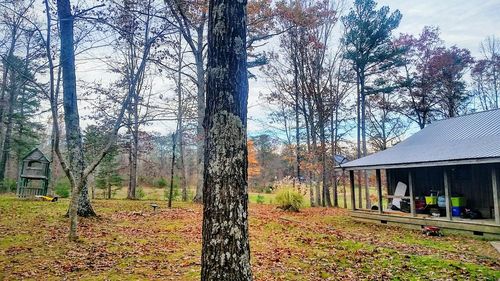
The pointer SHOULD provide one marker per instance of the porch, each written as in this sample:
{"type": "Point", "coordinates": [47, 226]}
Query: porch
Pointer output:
{"type": "Point", "coordinates": [484, 227]}
{"type": "Point", "coordinates": [477, 183]}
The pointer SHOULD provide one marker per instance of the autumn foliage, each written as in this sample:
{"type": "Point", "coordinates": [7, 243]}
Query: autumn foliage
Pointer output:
{"type": "Point", "coordinates": [253, 163]}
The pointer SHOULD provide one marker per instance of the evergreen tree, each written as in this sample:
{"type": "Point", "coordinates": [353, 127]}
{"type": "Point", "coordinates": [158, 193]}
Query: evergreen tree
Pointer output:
{"type": "Point", "coordinates": [369, 48]}
{"type": "Point", "coordinates": [22, 130]}
{"type": "Point", "coordinates": [107, 177]}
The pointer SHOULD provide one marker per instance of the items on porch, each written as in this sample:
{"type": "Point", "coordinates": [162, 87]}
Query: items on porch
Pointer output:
{"type": "Point", "coordinates": [420, 205]}
{"type": "Point", "coordinates": [456, 211]}
{"type": "Point", "coordinates": [399, 194]}
{"type": "Point", "coordinates": [471, 214]}
{"type": "Point", "coordinates": [432, 199]}
{"type": "Point", "coordinates": [433, 204]}
{"type": "Point", "coordinates": [441, 201]}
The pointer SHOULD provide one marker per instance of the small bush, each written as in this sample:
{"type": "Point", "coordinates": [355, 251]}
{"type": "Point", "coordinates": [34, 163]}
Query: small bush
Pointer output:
{"type": "Point", "coordinates": [289, 199]}
{"type": "Point", "coordinates": [139, 193]}
{"type": "Point", "coordinates": [161, 183]}
{"type": "Point", "coordinates": [260, 199]}
{"type": "Point", "coordinates": [63, 188]}
{"type": "Point", "coordinates": [8, 185]}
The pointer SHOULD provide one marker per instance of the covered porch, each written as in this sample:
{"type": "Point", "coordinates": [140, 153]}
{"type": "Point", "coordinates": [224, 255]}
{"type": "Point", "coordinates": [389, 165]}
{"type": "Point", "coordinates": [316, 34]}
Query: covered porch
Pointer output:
{"type": "Point", "coordinates": [476, 182]}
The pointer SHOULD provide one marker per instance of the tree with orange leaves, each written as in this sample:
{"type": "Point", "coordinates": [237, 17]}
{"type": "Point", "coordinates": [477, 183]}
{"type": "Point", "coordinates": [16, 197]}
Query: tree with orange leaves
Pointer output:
{"type": "Point", "coordinates": [253, 163]}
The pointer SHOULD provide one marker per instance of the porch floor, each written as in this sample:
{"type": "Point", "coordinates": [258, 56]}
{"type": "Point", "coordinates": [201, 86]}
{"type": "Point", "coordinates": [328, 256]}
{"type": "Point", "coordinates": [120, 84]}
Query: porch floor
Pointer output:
{"type": "Point", "coordinates": [477, 227]}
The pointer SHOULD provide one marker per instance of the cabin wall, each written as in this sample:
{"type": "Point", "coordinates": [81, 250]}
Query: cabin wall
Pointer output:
{"type": "Point", "coordinates": [471, 181]}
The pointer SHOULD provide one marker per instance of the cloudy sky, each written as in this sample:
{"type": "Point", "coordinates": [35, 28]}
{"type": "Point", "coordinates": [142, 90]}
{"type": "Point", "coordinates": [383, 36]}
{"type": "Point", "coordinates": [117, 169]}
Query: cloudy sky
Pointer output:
{"type": "Point", "coordinates": [464, 23]}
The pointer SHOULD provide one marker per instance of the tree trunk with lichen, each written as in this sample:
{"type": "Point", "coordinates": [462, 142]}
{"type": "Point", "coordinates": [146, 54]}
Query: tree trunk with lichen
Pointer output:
{"type": "Point", "coordinates": [226, 250]}
{"type": "Point", "coordinates": [79, 204]}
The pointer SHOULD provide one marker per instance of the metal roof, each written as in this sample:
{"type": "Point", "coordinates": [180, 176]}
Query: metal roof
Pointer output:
{"type": "Point", "coordinates": [473, 138]}
{"type": "Point", "coordinates": [340, 159]}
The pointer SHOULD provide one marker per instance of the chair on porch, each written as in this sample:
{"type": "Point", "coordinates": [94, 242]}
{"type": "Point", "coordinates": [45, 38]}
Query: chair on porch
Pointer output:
{"type": "Point", "coordinates": [399, 194]}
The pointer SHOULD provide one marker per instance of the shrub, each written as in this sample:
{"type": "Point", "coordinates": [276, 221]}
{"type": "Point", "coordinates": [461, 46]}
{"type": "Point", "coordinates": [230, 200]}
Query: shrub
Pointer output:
{"type": "Point", "coordinates": [260, 199]}
{"type": "Point", "coordinates": [161, 183]}
{"type": "Point", "coordinates": [62, 188]}
{"type": "Point", "coordinates": [289, 199]}
{"type": "Point", "coordinates": [139, 193]}
{"type": "Point", "coordinates": [8, 185]}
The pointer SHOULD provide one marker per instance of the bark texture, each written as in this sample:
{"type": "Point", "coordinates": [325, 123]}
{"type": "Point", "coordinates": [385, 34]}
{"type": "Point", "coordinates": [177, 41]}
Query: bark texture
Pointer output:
{"type": "Point", "coordinates": [226, 250]}
{"type": "Point", "coordinates": [79, 205]}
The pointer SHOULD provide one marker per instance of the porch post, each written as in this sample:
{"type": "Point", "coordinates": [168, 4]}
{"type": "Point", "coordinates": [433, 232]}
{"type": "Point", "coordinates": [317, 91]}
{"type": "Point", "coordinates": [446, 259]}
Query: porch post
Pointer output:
{"type": "Point", "coordinates": [412, 197]}
{"type": "Point", "coordinates": [496, 194]}
{"type": "Point", "coordinates": [447, 194]}
{"type": "Point", "coordinates": [353, 196]}
{"type": "Point", "coordinates": [379, 190]}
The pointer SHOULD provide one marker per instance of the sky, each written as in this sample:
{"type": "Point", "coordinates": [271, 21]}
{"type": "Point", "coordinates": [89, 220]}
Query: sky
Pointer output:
{"type": "Point", "coordinates": [464, 23]}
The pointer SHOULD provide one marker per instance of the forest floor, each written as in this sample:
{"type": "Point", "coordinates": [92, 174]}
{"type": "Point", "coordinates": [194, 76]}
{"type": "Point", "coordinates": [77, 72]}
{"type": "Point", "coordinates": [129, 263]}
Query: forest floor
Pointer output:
{"type": "Point", "coordinates": [131, 242]}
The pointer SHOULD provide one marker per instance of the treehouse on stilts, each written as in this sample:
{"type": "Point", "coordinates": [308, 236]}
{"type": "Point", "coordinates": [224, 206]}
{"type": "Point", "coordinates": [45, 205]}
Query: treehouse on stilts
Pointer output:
{"type": "Point", "coordinates": [34, 175]}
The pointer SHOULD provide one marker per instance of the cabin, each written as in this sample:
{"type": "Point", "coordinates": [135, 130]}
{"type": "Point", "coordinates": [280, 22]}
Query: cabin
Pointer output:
{"type": "Point", "coordinates": [33, 175]}
{"type": "Point", "coordinates": [446, 175]}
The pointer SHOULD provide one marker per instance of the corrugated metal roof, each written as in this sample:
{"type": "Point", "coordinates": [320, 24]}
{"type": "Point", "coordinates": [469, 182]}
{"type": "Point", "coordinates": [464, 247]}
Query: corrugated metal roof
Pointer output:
{"type": "Point", "coordinates": [469, 137]}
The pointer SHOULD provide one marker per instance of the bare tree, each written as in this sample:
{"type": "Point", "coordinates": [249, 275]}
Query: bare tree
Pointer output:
{"type": "Point", "coordinates": [75, 169]}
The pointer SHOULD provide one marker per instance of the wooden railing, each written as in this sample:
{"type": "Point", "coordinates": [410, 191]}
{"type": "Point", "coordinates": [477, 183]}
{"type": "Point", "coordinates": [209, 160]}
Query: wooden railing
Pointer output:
{"type": "Point", "coordinates": [27, 192]}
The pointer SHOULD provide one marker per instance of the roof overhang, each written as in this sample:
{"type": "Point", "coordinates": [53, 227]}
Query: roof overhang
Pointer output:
{"type": "Point", "coordinates": [426, 164]}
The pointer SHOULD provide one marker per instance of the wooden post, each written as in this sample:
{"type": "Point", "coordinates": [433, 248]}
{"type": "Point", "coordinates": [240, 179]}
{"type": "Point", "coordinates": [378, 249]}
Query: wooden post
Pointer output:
{"type": "Point", "coordinates": [379, 190]}
{"type": "Point", "coordinates": [412, 197]}
{"type": "Point", "coordinates": [353, 197]}
{"type": "Point", "coordinates": [447, 194]}
{"type": "Point", "coordinates": [496, 194]}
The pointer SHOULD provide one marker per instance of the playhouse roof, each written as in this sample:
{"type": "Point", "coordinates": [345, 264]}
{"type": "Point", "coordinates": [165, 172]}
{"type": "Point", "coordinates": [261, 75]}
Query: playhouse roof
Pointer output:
{"type": "Point", "coordinates": [36, 155]}
{"type": "Point", "coordinates": [468, 139]}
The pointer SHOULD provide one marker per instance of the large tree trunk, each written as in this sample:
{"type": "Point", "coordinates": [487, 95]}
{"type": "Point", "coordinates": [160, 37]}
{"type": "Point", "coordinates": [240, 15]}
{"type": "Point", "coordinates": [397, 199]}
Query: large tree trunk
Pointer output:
{"type": "Point", "coordinates": [84, 206]}
{"type": "Point", "coordinates": [12, 92]}
{"type": "Point", "coordinates": [180, 122]}
{"type": "Point", "coordinates": [79, 205]}
{"type": "Point", "coordinates": [200, 133]}
{"type": "Point", "coordinates": [363, 137]}
{"type": "Point", "coordinates": [54, 94]}
{"type": "Point", "coordinates": [315, 154]}
{"type": "Point", "coordinates": [296, 107]}
{"type": "Point", "coordinates": [3, 103]}
{"type": "Point", "coordinates": [134, 151]}
{"type": "Point", "coordinates": [327, 201]}
{"type": "Point", "coordinates": [334, 133]}
{"type": "Point", "coordinates": [309, 151]}
{"type": "Point", "coordinates": [358, 136]}
{"type": "Point", "coordinates": [226, 250]}
{"type": "Point", "coordinates": [182, 165]}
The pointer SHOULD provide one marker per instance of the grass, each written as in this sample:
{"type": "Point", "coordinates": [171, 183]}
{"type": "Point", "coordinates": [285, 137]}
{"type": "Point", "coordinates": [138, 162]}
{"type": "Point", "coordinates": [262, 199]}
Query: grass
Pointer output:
{"type": "Point", "coordinates": [130, 241]}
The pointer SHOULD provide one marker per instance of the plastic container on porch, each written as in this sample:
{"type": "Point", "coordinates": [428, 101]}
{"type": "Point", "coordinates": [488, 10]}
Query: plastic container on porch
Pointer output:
{"type": "Point", "coordinates": [441, 202]}
{"type": "Point", "coordinates": [458, 201]}
{"type": "Point", "coordinates": [456, 211]}
{"type": "Point", "coordinates": [431, 200]}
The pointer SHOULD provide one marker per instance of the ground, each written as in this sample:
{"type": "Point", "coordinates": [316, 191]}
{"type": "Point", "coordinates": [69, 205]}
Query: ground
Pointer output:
{"type": "Point", "coordinates": [130, 241]}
